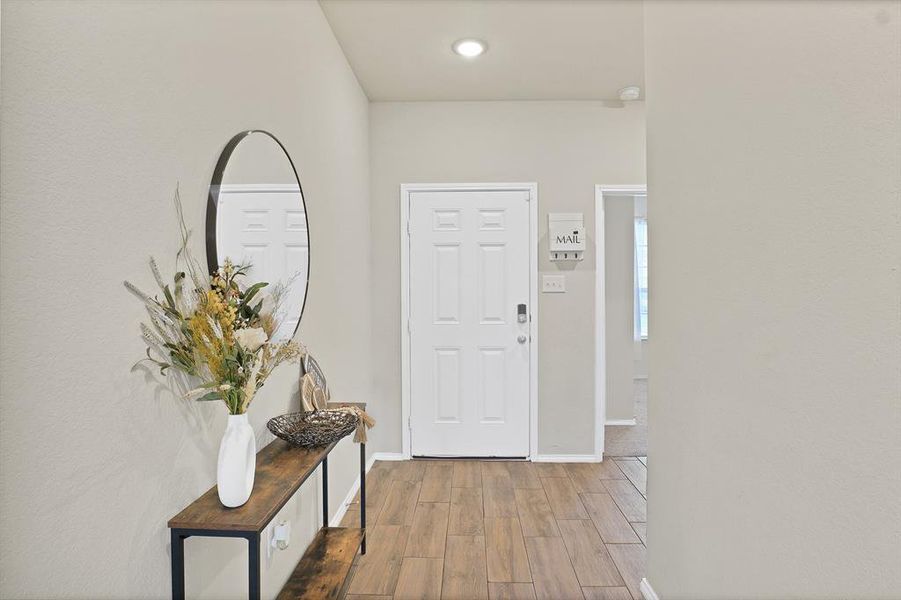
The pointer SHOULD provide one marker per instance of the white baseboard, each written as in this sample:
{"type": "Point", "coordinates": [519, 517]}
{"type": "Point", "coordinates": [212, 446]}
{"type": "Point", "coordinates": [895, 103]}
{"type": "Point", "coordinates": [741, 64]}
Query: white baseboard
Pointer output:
{"type": "Point", "coordinates": [647, 592]}
{"type": "Point", "coordinates": [620, 422]}
{"type": "Point", "coordinates": [349, 499]}
{"type": "Point", "coordinates": [565, 458]}
{"type": "Point", "coordinates": [389, 456]}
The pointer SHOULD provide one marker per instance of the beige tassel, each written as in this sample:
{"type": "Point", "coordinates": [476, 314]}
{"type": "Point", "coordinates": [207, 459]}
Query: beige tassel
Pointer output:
{"type": "Point", "coordinates": [364, 421]}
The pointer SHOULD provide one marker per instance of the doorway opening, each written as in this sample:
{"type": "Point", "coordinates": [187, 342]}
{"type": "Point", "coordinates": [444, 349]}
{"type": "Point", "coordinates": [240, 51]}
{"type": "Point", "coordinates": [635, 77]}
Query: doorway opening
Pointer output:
{"type": "Point", "coordinates": [621, 318]}
{"type": "Point", "coordinates": [469, 320]}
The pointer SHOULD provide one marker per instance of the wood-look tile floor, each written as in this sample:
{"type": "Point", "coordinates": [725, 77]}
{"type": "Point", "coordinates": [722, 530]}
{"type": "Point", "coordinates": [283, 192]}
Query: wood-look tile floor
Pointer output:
{"type": "Point", "coordinates": [468, 530]}
{"type": "Point", "coordinates": [630, 440]}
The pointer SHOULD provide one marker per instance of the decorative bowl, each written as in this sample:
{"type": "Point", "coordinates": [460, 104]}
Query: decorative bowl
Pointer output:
{"type": "Point", "coordinates": [313, 428]}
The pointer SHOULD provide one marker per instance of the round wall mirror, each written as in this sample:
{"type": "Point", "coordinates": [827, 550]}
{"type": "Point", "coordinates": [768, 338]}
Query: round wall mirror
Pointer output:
{"type": "Point", "coordinates": [256, 216]}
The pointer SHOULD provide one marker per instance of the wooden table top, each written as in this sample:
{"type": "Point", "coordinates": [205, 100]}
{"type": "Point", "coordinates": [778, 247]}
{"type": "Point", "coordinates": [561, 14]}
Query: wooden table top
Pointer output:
{"type": "Point", "coordinates": [281, 469]}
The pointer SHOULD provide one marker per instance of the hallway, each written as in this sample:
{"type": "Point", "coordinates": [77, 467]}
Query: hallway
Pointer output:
{"type": "Point", "coordinates": [496, 529]}
{"type": "Point", "coordinates": [630, 440]}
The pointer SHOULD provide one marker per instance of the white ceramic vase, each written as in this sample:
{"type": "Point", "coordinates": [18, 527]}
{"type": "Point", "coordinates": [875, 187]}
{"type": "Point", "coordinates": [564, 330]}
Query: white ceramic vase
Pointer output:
{"type": "Point", "coordinates": [237, 462]}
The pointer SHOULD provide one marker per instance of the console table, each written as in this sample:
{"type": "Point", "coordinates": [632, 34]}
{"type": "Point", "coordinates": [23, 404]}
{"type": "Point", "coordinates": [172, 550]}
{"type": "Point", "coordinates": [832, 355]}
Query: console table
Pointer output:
{"type": "Point", "coordinates": [281, 469]}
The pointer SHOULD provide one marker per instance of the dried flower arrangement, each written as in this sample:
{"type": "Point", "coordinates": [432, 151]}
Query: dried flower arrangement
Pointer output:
{"type": "Point", "coordinates": [220, 331]}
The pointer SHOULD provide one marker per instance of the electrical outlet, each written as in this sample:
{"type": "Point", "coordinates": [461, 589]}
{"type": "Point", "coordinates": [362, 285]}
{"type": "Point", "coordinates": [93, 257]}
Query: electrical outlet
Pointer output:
{"type": "Point", "coordinates": [279, 535]}
{"type": "Point", "coordinates": [267, 541]}
{"type": "Point", "coordinates": [553, 284]}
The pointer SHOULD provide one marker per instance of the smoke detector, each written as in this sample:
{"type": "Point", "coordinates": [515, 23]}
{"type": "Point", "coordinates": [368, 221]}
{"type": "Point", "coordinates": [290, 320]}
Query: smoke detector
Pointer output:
{"type": "Point", "coordinates": [632, 92]}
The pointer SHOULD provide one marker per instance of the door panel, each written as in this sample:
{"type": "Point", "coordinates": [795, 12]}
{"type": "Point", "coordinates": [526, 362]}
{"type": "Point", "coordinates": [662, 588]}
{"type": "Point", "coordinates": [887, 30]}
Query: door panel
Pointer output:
{"type": "Point", "coordinates": [492, 283]}
{"type": "Point", "coordinates": [492, 392]}
{"type": "Point", "coordinates": [446, 281]}
{"type": "Point", "coordinates": [447, 385]}
{"type": "Point", "coordinates": [469, 269]}
{"type": "Point", "coordinates": [271, 235]}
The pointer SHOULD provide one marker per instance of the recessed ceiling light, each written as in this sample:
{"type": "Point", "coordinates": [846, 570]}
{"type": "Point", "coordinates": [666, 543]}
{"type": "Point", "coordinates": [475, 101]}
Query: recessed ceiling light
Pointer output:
{"type": "Point", "coordinates": [469, 48]}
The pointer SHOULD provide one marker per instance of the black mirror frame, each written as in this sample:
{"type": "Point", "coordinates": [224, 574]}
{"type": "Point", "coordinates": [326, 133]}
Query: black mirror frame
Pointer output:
{"type": "Point", "coordinates": [212, 256]}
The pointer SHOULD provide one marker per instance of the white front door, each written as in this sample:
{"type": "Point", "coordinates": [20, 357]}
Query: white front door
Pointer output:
{"type": "Point", "coordinates": [469, 350]}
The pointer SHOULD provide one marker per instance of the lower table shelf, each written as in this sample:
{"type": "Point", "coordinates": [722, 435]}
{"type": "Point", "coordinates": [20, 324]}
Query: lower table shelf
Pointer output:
{"type": "Point", "coordinates": [323, 570]}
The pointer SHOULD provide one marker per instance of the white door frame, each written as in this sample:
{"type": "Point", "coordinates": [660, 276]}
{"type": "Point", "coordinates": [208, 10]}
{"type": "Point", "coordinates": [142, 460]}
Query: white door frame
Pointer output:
{"type": "Point", "coordinates": [406, 190]}
{"type": "Point", "coordinates": [600, 309]}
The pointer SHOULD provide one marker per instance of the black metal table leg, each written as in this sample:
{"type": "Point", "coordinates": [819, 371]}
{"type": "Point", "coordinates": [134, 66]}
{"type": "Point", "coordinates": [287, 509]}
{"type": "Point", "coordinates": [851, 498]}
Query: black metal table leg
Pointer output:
{"type": "Point", "coordinates": [178, 564]}
{"type": "Point", "coordinates": [363, 495]}
{"type": "Point", "coordinates": [253, 549]}
{"type": "Point", "coordinates": [325, 492]}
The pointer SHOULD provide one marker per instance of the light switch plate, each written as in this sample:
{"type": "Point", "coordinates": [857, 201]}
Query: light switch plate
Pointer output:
{"type": "Point", "coordinates": [553, 284]}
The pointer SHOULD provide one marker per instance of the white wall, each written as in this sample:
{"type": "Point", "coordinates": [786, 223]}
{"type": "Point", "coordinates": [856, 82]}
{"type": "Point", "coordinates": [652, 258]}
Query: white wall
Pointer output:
{"type": "Point", "coordinates": [640, 364]}
{"type": "Point", "coordinates": [619, 270]}
{"type": "Point", "coordinates": [775, 392]}
{"type": "Point", "coordinates": [567, 147]}
{"type": "Point", "coordinates": [105, 107]}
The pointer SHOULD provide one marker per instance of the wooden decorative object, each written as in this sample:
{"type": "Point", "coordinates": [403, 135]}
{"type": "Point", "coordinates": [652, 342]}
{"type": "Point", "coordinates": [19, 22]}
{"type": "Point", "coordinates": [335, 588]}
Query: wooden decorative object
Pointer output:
{"type": "Point", "coordinates": [314, 392]}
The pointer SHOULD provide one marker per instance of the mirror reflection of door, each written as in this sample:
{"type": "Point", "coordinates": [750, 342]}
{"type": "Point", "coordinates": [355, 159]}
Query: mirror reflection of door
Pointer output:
{"type": "Point", "coordinates": [264, 225]}
{"type": "Point", "coordinates": [260, 220]}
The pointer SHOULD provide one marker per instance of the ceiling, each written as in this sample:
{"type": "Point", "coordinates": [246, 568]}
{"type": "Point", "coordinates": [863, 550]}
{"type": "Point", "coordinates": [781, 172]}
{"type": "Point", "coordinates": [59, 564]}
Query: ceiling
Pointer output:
{"type": "Point", "coordinates": [537, 49]}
